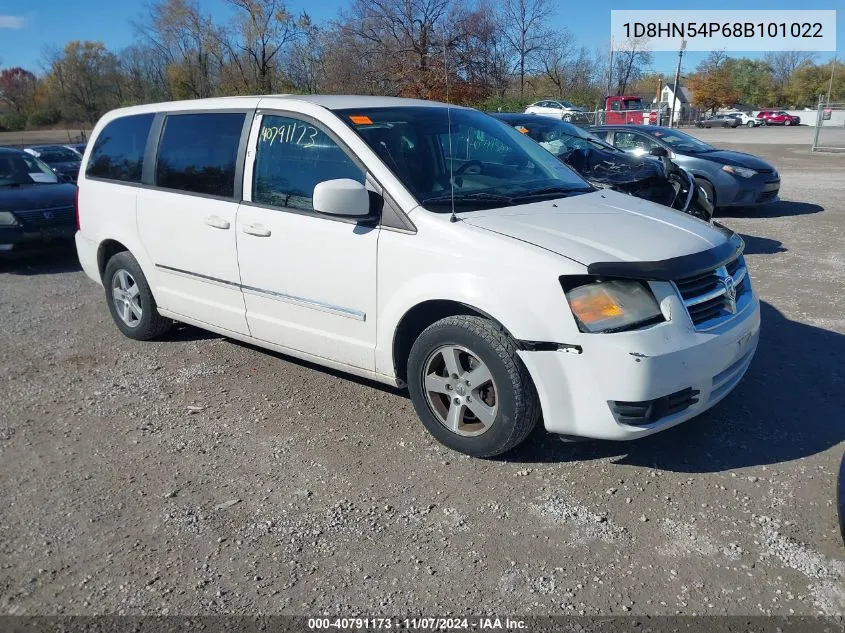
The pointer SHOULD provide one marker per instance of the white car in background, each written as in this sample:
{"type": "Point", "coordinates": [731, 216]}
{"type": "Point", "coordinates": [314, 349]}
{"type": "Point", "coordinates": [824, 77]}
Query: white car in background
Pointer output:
{"type": "Point", "coordinates": [744, 118]}
{"type": "Point", "coordinates": [558, 109]}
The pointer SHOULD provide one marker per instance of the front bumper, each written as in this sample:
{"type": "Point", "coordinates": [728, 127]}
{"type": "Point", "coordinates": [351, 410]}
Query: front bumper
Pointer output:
{"type": "Point", "coordinates": [734, 191]}
{"type": "Point", "coordinates": [15, 237]}
{"type": "Point", "coordinates": [577, 391]}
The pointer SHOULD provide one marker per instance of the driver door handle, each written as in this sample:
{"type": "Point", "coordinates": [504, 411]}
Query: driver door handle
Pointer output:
{"type": "Point", "coordinates": [256, 230]}
{"type": "Point", "coordinates": [217, 222]}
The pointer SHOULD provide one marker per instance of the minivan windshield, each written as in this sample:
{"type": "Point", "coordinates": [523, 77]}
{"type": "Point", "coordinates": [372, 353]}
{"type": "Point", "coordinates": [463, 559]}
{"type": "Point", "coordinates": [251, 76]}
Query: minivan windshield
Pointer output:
{"type": "Point", "coordinates": [489, 163]}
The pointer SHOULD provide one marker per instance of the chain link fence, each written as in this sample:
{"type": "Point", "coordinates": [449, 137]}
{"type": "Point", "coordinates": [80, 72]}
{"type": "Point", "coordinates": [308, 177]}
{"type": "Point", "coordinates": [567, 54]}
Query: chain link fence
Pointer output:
{"type": "Point", "coordinates": [830, 128]}
{"type": "Point", "coordinates": [645, 116]}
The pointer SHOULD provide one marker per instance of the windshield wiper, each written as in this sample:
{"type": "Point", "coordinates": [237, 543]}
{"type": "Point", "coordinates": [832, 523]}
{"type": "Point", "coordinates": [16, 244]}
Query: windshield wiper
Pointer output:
{"type": "Point", "coordinates": [465, 199]}
{"type": "Point", "coordinates": [549, 192]}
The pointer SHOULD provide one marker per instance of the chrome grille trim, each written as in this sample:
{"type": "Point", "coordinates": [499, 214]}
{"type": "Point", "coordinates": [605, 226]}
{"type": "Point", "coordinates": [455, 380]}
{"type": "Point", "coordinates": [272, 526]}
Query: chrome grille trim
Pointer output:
{"type": "Point", "coordinates": [705, 295]}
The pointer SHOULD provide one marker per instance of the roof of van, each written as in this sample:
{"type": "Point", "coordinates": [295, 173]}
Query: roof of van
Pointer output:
{"type": "Point", "coordinates": [330, 102]}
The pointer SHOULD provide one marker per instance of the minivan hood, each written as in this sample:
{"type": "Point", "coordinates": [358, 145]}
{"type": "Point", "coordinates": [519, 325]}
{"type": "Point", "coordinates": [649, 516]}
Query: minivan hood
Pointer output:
{"type": "Point", "coordinates": [40, 196]}
{"type": "Point", "coordinates": [602, 226]}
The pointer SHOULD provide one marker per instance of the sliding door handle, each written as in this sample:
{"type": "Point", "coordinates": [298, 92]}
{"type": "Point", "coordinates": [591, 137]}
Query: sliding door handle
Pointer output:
{"type": "Point", "coordinates": [255, 229]}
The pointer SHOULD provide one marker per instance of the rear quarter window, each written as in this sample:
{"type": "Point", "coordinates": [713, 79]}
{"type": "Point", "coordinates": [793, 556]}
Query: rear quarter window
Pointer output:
{"type": "Point", "coordinates": [118, 151]}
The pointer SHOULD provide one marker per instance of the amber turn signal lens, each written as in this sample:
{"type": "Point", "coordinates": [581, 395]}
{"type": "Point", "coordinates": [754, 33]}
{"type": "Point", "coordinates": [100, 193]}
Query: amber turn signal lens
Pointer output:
{"type": "Point", "coordinates": [596, 306]}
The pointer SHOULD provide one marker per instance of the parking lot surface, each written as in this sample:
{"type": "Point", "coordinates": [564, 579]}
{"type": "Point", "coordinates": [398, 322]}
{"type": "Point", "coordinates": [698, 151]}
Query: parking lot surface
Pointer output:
{"type": "Point", "coordinates": [199, 475]}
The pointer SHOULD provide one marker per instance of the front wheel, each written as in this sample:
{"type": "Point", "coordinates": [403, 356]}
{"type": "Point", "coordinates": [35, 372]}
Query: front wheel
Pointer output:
{"type": "Point", "coordinates": [750, 124]}
{"type": "Point", "coordinates": [708, 189]}
{"type": "Point", "coordinates": [787, 123]}
{"type": "Point", "coordinates": [470, 388]}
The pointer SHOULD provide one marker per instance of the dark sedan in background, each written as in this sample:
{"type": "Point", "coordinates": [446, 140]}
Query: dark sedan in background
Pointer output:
{"type": "Point", "coordinates": [731, 179]}
{"type": "Point", "coordinates": [62, 160]}
{"type": "Point", "coordinates": [34, 206]}
{"type": "Point", "coordinates": [718, 120]}
{"type": "Point", "coordinates": [653, 178]}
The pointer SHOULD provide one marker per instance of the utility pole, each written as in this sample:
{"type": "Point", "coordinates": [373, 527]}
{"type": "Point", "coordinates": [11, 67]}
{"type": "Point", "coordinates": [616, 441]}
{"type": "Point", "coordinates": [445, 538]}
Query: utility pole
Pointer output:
{"type": "Point", "coordinates": [675, 86]}
{"type": "Point", "coordinates": [830, 85]}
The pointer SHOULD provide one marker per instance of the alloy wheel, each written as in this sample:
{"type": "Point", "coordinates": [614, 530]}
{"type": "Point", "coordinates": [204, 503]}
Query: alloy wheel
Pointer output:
{"type": "Point", "coordinates": [127, 297]}
{"type": "Point", "coordinates": [460, 390]}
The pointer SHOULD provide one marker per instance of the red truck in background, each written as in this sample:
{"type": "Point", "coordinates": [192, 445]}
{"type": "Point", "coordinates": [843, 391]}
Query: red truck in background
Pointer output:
{"type": "Point", "coordinates": [627, 110]}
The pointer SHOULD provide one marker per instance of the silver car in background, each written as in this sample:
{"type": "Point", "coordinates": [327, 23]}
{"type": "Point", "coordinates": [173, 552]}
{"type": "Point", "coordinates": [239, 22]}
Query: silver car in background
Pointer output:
{"type": "Point", "coordinates": [729, 178]}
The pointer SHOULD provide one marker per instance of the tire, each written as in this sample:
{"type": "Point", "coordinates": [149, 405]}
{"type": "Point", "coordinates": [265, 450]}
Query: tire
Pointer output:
{"type": "Point", "coordinates": [567, 117]}
{"type": "Point", "coordinates": [708, 189]}
{"type": "Point", "coordinates": [506, 399]}
{"type": "Point", "coordinates": [750, 124]}
{"type": "Point", "coordinates": [787, 123]}
{"type": "Point", "coordinates": [126, 286]}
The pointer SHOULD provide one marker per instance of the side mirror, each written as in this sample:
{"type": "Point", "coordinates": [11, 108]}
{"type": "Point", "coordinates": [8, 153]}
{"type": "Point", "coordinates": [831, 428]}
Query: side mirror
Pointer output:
{"type": "Point", "coordinates": [342, 197]}
{"type": "Point", "coordinates": [659, 151]}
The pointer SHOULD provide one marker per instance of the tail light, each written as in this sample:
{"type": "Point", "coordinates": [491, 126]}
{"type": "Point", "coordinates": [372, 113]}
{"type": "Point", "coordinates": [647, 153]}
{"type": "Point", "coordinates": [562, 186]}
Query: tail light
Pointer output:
{"type": "Point", "coordinates": [78, 226]}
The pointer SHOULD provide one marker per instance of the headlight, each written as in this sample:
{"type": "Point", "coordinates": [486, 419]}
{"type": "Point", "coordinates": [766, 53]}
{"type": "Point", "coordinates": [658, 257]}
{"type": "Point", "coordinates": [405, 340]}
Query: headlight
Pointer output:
{"type": "Point", "coordinates": [7, 219]}
{"type": "Point", "coordinates": [739, 171]}
{"type": "Point", "coordinates": [608, 306]}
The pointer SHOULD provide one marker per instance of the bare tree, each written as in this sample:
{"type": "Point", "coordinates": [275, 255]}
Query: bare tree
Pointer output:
{"type": "Point", "coordinates": [630, 61]}
{"type": "Point", "coordinates": [306, 61]}
{"type": "Point", "coordinates": [524, 24]}
{"type": "Point", "coordinates": [403, 37]}
{"type": "Point", "coordinates": [85, 77]}
{"type": "Point", "coordinates": [785, 63]}
{"type": "Point", "coordinates": [144, 75]}
{"type": "Point", "coordinates": [262, 30]}
{"type": "Point", "coordinates": [189, 41]}
{"type": "Point", "coordinates": [557, 60]}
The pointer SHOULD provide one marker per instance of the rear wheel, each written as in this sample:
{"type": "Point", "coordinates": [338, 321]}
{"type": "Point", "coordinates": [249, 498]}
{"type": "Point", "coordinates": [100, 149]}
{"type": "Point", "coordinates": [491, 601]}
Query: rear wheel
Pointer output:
{"type": "Point", "coordinates": [469, 387]}
{"type": "Point", "coordinates": [130, 300]}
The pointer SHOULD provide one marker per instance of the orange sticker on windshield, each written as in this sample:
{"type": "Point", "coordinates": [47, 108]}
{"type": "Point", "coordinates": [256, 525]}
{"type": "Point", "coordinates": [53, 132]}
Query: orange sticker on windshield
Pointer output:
{"type": "Point", "coordinates": [524, 130]}
{"type": "Point", "coordinates": [359, 119]}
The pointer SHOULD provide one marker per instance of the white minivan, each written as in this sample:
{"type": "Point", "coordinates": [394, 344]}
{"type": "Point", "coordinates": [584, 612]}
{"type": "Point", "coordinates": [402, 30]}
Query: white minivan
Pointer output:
{"type": "Point", "coordinates": [417, 244]}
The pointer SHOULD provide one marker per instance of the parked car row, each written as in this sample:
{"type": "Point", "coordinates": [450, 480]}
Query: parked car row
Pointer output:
{"type": "Point", "coordinates": [735, 119]}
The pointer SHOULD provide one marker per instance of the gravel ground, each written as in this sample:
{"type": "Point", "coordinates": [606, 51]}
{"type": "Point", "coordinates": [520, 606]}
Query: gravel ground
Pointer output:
{"type": "Point", "coordinates": [198, 475]}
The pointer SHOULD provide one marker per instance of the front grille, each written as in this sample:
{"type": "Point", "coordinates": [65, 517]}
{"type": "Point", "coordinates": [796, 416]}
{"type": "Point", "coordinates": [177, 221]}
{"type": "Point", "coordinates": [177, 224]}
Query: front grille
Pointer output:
{"type": "Point", "coordinates": [37, 218]}
{"type": "Point", "coordinates": [706, 296]}
{"type": "Point", "coordinates": [649, 411]}
{"type": "Point", "coordinates": [767, 172]}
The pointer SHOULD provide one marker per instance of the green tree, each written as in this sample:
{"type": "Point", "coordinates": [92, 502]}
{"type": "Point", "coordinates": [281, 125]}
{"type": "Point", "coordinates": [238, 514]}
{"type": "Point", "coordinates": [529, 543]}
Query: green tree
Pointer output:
{"type": "Point", "coordinates": [753, 81]}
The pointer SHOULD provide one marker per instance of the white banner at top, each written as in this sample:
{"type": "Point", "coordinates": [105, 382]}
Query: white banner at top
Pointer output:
{"type": "Point", "coordinates": [708, 30]}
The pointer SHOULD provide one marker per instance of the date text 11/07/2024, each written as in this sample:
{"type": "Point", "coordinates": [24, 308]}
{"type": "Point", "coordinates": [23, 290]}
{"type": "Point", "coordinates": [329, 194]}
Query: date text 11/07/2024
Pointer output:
{"type": "Point", "coordinates": [421, 623]}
